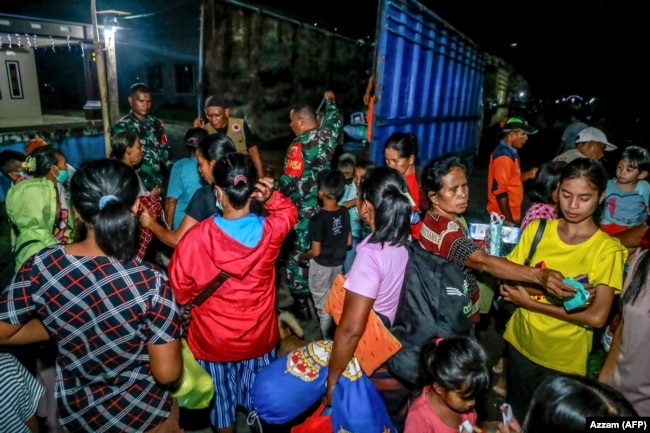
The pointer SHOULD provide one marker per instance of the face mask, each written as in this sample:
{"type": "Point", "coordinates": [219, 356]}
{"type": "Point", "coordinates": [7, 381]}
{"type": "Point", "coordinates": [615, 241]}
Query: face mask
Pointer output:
{"type": "Point", "coordinates": [217, 203]}
{"type": "Point", "coordinates": [62, 177]}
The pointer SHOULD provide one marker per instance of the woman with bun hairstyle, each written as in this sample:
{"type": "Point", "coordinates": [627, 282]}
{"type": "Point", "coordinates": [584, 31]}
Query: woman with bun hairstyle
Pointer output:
{"type": "Point", "coordinates": [113, 318]}
{"type": "Point", "coordinates": [233, 334]}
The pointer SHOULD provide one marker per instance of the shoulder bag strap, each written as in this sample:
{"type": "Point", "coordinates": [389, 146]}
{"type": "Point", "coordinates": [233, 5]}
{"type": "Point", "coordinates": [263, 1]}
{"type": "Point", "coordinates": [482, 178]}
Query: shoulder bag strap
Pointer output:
{"type": "Point", "coordinates": [210, 288]}
{"type": "Point", "coordinates": [538, 237]}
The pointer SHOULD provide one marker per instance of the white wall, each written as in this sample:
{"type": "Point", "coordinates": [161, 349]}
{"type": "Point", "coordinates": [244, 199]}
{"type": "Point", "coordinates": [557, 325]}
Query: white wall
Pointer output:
{"type": "Point", "coordinates": [30, 104]}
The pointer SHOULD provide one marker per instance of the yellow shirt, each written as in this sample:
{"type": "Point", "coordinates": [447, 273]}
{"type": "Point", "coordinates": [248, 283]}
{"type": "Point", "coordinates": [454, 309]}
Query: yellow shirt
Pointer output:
{"type": "Point", "coordinates": [551, 342]}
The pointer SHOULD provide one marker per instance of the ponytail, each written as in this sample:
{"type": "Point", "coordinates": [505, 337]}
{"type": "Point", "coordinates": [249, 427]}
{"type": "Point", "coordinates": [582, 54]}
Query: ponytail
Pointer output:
{"type": "Point", "coordinates": [103, 192]}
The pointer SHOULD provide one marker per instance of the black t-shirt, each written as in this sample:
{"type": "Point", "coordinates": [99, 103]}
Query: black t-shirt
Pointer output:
{"type": "Point", "coordinates": [331, 229]}
{"type": "Point", "coordinates": [203, 204]}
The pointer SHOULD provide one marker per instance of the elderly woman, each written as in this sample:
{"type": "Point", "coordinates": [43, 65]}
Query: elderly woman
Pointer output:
{"type": "Point", "coordinates": [444, 233]}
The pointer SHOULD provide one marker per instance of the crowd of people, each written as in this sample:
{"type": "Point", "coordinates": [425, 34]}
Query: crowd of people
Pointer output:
{"type": "Point", "coordinates": [92, 307]}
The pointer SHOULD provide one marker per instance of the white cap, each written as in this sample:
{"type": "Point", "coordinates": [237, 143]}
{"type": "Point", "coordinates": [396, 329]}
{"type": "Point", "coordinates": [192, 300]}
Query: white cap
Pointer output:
{"type": "Point", "coordinates": [594, 134]}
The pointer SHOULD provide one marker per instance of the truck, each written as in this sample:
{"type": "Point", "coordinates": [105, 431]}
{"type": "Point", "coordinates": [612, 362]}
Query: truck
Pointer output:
{"type": "Point", "coordinates": [429, 80]}
{"type": "Point", "coordinates": [429, 77]}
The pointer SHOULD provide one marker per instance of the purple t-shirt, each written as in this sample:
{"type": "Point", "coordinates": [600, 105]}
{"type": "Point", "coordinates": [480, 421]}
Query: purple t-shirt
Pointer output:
{"type": "Point", "coordinates": [378, 273]}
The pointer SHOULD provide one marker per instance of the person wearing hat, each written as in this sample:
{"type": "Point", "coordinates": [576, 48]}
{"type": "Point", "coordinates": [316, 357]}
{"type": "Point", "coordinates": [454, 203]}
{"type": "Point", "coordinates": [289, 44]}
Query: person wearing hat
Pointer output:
{"type": "Point", "coordinates": [590, 143]}
{"type": "Point", "coordinates": [505, 179]}
{"type": "Point", "coordinates": [217, 113]}
{"type": "Point", "coordinates": [184, 179]}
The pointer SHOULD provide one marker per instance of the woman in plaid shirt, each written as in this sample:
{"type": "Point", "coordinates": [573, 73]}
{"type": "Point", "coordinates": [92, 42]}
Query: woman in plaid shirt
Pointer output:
{"type": "Point", "coordinates": [114, 318]}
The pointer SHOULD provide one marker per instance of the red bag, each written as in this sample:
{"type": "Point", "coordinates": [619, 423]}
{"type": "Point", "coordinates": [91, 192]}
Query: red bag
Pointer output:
{"type": "Point", "coordinates": [315, 423]}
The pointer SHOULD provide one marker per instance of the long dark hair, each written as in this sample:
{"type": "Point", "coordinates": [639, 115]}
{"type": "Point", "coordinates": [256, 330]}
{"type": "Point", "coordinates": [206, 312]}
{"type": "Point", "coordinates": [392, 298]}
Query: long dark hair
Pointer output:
{"type": "Point", "coordinates": [631, 292]}
{"type": "Point", "coordinates": [121, 142]}
{"type": "Point", "coordinates": [546, 182]}
{"type": "Point", "coordinates": [103, 192]}
{"type": "Point", "coordinates": [236, 175]}
{"type": "Point", "coordinates": [216, 145]}
{"type": "Point", "coordinates": [561, 404]}
{"type": "Point", "coordinates": [456, 364]}
{"type": "Point", "coordinates": [404, 143]}
{"type": "Point", "coordinates": [385, 188]}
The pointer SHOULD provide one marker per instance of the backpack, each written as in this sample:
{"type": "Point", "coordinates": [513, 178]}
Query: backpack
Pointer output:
{"type": "Point", "coordinates": [434, 302]}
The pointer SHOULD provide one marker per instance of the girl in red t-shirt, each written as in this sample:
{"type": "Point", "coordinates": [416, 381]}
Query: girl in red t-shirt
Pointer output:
{"type": "Point", "coordinates": [456, 371]}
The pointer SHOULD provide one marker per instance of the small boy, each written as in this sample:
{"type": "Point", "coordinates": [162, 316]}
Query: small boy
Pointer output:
{"type": "Point", "coordinates": [330, 235]}
{"type": "Point", "coordinates": [627, 196]}
{"type": "Point", "coordinates": [348, 200]}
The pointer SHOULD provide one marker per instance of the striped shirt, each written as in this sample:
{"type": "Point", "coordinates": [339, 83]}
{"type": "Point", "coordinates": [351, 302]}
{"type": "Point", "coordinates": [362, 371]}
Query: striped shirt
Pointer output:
{"type": "Point", "coordinates": [19, 395]}
{"type": "Point", "coordinates": [102, 313]}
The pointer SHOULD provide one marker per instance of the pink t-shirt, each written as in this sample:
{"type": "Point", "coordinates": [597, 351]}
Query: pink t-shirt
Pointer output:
{"type": "Point", "coordinates": [378, 273]}
{"type": "Point", "coordinates": [422, 419]}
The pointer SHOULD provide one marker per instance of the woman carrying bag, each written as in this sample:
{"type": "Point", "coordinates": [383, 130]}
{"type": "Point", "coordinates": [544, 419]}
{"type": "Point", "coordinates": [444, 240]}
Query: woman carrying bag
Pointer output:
{"type": "Point", "coordinates": [233, 334]}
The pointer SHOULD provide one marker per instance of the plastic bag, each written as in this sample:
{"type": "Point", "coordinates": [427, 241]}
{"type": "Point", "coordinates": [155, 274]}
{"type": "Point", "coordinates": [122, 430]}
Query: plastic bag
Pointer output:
{"type": "Point", "coordinates": [493, 238]}
{"type": "Point", "coordinates": [196, 389]}
{"type": "Point", "coordinates": [320, 421]}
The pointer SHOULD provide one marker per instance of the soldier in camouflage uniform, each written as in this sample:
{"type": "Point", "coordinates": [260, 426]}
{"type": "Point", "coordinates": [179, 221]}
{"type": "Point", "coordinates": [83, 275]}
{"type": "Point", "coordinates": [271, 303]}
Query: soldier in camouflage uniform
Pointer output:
{"type": "Point", "coordinates": [310, 153]}
{"type": "Point", "coordinates": [156, 158]}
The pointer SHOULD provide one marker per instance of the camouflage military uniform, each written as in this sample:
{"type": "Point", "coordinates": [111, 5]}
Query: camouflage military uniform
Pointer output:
{"type": "Point", "coordinates": [156, 159]}
{"type": "Point", "coordinates": [309, 154]}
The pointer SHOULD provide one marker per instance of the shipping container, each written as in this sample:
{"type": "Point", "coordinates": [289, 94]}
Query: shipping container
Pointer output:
{"type": "Point", "coordinates": [429, 81]}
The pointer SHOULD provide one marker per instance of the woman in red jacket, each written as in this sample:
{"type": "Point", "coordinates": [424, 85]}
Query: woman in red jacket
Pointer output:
{"type": "Point", "coordinates": [233, 334]}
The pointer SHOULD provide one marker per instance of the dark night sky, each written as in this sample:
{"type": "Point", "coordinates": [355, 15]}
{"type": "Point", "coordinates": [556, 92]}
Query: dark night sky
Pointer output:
{"type": "Point", "coordinates": [589, 47]}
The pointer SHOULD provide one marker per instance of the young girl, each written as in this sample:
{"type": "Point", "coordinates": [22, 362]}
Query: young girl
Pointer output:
{"type": "Point", "coordinates": [456, 371]}
{"type": "Point", "coordinates": [543, 194]}
{"type": "Point", "coordinates": [544, 339]}
{"type": "Point", "coordinates": [359, 228]}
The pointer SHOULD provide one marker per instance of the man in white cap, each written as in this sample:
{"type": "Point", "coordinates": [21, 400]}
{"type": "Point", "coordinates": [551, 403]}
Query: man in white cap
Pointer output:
{"type": "Point", "coordinates": [590, 143]}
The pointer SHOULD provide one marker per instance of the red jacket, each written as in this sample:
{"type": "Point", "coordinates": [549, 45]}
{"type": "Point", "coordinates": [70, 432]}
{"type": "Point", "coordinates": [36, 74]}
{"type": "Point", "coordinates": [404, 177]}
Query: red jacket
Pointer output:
{"type": "Point", "coordinates": [238, 321]}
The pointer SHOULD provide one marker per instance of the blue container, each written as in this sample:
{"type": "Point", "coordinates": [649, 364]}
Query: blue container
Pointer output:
{"type": "Point", "coordinates": [429, 81]}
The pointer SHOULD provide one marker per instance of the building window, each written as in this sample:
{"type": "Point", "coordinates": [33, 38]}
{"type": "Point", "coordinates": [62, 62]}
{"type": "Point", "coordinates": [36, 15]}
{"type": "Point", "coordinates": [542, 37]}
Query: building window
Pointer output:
{"type": "Point", "coordinates": [15, 83]}
{"type": "Point", "coordinates": [184, 78]}
{"type": "Point", "coordinates": [155, 78]}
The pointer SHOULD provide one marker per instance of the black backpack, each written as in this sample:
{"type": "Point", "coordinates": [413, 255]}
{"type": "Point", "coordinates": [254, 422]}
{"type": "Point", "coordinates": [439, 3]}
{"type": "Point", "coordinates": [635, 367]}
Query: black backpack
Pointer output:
{"type": "Point", "coordinates": [434, 302]}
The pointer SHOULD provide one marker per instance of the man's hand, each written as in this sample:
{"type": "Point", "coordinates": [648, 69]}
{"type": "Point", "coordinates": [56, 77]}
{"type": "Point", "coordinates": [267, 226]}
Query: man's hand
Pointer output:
{"type": "Point", "coordinates": [329, 95]}
{"type": "Point", "coordinates": [199, 122]}
{"type": "Point", "coordinates": [554, 284]}
{"type": "Point", "coordinates": [530, 174]}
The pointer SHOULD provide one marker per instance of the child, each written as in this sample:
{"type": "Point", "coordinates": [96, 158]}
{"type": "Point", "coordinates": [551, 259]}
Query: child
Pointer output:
{"type": "Point", "coordinates": [346, 164]}
{"type": "Point", "coordinates": [329, 232]}
{"type": "Point", "coordinates": [359, 228]}
{"type": "Point", "coordinates": [543, 194]}
{"type": "Point", "coordinates": [456, 372]}
{"type": "Point", "coordinates": [626, 197]}
{"type": "Point", "coordinates": [544, 339]}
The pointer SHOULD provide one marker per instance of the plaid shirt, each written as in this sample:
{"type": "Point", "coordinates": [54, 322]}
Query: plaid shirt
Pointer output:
{"type": "Point", "coordinates": [102, 313]}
